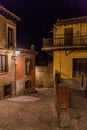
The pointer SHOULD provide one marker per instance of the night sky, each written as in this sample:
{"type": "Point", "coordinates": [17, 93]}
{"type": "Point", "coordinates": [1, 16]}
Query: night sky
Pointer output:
{"type": "Point", "coordinates": [38, 17]}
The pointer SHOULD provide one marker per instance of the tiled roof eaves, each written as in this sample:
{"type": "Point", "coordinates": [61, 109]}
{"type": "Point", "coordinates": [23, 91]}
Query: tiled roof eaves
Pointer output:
{"type": "Point", "coordinates": [8, 14]}
{"type": "Point", "coordinates": [71, 20]}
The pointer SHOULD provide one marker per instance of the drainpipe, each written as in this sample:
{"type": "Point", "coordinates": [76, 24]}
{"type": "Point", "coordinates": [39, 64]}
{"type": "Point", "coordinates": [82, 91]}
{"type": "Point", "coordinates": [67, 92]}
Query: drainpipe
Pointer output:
{"type": "Point", "coordinates": [14, 70]}
{"type": "Point", "coordinates": [15, 75]}
{"type": "Point", "coordinates": [82, 80]}
{"type": "Point", "coordinates": [60, 63]}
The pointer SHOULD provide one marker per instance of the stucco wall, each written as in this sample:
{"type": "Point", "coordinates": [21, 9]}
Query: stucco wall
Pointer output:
{"type": "Point", "coordinates": [78, 30]}
{"type": "Point", "coordinates": [63, 59]}
{"type": "Point", "coordinates": [64, 63]}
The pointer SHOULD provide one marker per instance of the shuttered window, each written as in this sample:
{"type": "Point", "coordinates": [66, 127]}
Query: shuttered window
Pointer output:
{"type": "Point", "coordinates": [68, 36]}
{"type": "Point", "coordinates": [3, 63]}
{"type": "Point", "coordinates": [28, 66]}
{"type": "Point", "coordinates": [10, 37]}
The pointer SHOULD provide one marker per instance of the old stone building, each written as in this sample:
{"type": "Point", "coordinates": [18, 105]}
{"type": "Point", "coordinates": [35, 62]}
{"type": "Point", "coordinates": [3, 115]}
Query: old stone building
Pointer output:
{"type": "Point", "coordinates": [69, 48]}
{"type": "Point", "coordinates": [7, 45]}
{"type": "Point", "coordinates": [17, 66]}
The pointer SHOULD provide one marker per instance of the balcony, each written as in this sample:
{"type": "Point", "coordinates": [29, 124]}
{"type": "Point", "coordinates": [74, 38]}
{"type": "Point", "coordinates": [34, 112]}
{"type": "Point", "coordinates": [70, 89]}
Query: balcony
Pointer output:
{"type": "Point", "coordinates": [65, 43]}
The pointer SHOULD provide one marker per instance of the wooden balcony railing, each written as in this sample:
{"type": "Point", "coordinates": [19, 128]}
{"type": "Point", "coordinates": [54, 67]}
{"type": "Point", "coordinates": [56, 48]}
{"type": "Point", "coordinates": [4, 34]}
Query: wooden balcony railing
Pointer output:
{"type": "Point", "coordinates": [65, 41]}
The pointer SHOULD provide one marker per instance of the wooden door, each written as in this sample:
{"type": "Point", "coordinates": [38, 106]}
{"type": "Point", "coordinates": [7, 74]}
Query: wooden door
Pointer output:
{"type": "Point", "coordinates": [68, 36]}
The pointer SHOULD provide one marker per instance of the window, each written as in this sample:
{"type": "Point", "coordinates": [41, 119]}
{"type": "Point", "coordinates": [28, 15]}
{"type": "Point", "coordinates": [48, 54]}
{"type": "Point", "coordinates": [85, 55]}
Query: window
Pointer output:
{"type": "Point", "coordinates": [10, 37]}
{"type": "Point", "coordinates": [3, 63]}
{"type": "Point", "coordinates": [79, 67]}
{"type": "Point", "coordinates": [28, 66]}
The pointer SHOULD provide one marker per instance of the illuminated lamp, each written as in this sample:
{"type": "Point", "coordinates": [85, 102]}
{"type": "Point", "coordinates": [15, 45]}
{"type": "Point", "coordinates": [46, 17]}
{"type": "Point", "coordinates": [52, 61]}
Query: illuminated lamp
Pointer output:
{"type": "Point", "coordinates": [17, 53]}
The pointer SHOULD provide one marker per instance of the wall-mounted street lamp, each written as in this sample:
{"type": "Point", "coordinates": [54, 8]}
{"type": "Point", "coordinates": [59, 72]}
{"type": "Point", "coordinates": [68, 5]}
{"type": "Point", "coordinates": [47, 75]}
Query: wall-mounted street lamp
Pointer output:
{"type": "Point", "coordinates": [17, 53]}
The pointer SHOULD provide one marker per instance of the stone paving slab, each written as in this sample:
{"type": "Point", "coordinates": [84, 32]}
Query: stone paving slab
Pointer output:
{"type": "Point", "coordinates": [29, 114]}
{"type": "Point", "coordinates": [37, 112]}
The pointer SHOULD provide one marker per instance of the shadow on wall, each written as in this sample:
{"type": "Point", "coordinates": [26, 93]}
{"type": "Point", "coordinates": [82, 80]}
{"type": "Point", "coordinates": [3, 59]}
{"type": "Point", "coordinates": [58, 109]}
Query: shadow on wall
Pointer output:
{"type": "Point", "coordinates": [57, 79]}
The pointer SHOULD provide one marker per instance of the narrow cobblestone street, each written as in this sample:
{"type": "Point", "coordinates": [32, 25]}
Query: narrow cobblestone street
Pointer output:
{"type": "Point", "coordinates": [34, 112]}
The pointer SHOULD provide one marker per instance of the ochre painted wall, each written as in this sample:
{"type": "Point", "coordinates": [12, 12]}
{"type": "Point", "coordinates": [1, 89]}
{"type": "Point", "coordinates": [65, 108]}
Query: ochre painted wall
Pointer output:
{"type": "Point", "coordinates": [78, 29]}
{"type": "Point", "coordinates": [63, 63]}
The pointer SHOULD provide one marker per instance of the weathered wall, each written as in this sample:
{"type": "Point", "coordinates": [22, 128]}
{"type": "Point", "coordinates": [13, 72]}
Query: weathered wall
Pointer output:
{"type": "Point", "coordinates": [4, 24]}
{"type": "Point", "coordinates": [44, 76]}
{"type": "Point", "coordinates": [8, 77]}
{"type": "Point", "coordinates": [20, 74]}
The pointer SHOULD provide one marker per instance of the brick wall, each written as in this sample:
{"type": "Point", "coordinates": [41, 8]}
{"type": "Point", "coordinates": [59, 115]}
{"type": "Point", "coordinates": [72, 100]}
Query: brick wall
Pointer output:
{"type": "Point", "coordinates": [44, 76]}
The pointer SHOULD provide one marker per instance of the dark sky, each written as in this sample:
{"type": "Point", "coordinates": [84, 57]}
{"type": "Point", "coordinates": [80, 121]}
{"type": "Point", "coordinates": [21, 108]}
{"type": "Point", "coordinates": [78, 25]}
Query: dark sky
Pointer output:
{"type": "Point", "coordinates": [38, 16]}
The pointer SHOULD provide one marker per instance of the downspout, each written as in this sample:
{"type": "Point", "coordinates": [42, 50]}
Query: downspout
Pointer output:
{"type": "Point", "coordinates": [15, 70]}
{"type": "Point", "coordinates": [15, 76]}
{"type": "Point", "coordinates": [60, 63]}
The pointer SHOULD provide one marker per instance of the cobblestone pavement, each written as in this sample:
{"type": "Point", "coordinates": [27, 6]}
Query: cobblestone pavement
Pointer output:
{"type": "Point", "coordinates": [34, 112]}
